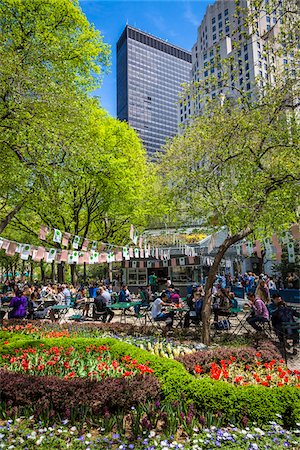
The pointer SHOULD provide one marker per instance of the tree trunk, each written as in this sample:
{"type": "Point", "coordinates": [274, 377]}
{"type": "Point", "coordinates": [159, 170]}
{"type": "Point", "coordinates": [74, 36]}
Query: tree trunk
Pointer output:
{"type": "Point", "coordinates": [42, 271]}
{"type": "Point", "coordinates": [7, 219]}
{"type": "Point", "coordinates": [206, 310]}
{"type": "Point", "coordinates": [52, 271]}
{"type": "Point", "coordinates": [61, 273]}
{"type": "Point", "coordinates": [73, 274]}
{"type": "Point", "coordinates": [31, 272]}
{"type": "Point", "coordinates": [84, 273]}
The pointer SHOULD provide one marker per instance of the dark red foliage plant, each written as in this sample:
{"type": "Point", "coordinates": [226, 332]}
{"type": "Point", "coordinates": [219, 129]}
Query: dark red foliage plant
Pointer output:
{"type": "Point", "coordinates": [37, 394]}
{"type": "Point", "coordinates": [204, 358]}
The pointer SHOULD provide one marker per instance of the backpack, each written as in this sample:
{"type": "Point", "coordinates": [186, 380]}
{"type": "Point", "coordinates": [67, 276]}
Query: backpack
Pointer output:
{"type": "Point", "coordinates": [223, 325]}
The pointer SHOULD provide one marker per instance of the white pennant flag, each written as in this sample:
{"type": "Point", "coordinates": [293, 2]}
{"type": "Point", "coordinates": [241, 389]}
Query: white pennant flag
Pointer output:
{"type": "Point", "coordinates": [125, 253]}
{"type": "Point", "coordinates": [136, 252]}
{"type": "Point", "coordinates": [291, 252]}
{"type": "Point", "coordinates": [110, 257]}
{"type": "Point", "coordinates": [75, 255]}
{"type": "Point", "coordinates": [57, 237]}
{"type": "Point", "coordinates": [50, 256]}
{"type": "Point", "coordinates": [135, 238]}
{"type": "Point", "coordinates": [25, 252]}
{"type": "Point", "coordinates": [76, 242]}
{"type": "Point", "coordinates": [94, 245]}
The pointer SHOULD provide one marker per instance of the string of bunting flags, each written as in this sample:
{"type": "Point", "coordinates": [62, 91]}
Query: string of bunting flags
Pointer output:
{"type": "Point", "coordinates": [95, 252]}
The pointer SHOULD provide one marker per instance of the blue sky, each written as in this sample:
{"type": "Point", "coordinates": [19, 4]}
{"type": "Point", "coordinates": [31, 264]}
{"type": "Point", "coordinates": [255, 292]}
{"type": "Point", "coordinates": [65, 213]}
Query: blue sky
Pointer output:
{"type": "Point", "coordinates": [174, 21]}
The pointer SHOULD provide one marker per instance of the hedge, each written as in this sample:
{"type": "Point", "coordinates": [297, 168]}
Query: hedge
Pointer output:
{"type": "Point", "coordinates": [254, 403]}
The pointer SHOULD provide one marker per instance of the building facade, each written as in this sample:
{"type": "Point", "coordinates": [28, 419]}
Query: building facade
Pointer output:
{"type": "Point", "coordinates": [237, 56]}
{"type": "Point", "coordinates": [150, 72]}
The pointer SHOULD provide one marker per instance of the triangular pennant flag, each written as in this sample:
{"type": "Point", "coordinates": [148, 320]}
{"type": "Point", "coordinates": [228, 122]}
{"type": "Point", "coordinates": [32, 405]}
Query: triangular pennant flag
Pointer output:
{"type": "Point", "coordinates": [135, 238]}
{"type": "Point", "coordinates": [142, 264]}
{"type": "Point", "coordinates": [64, 256]}
{"type": "Point", "coordinates": [11, 249]}
{"type": "Point", "coordinates": [153, 252]}
{"type": "Point", "coordinates": [181, 261]}
{"type": "Point", "coordinates": [291, 252]}
{"type": "Point", "coordinates": [76, 242]}
{"type": "Point", "coordinates": [165, 263]}
{"type": "Point", "coordinates": [95, 257]}
{"type": "Point", "coordinates": [5, 244]}
{"type": "Point", "coordinates": [25, 252]}
{"type": "Point", "coordinates": [244, 249]}
{"type": "Point", "coordinates": [141, 242]}
{"type": "Point", "coordinates": [57, 236]}
{"type": "Point", "coordinates": [258, 248]}
{"type": "Point", "coordinates": [1, 242]}
{"type": "Point", "coordinates": [136, 253]}
{"type": "Point", "coordinates": [40, 254]}
{"type": "Point", "coordinates": [134, 264]}
{"type": "Point", "coordinates": [43, 232]}
{"type": "Point", "coordinates": [295, 230]}
{"type": "Point", "coordinates": [102, 258]}
{"type": "Point", "coordinates": [94, 245]}
{"type": "Point", "coordinates": [131, 233]}
{"type": "Point", "coordinates": [85, 244]}
{"type": "Point", "coordinates": [110, 257]}
{"type": "Point", "coordinates": [156, 253]}
{"type": "Point", "coordinates": [131, 253]}
{"type": "Point", "coordinates": [75, 255]}
{"type": "Point", "coordinates": [65, 239]}
{"type": "Point", "coordinates": [119, 257]}
{"type": "Point", "coordinates": [142, 255]}
{"type": "Point", "coordinates": [19, 248]}
{"type": "Point", "coordinates": [238, 249]}
{"type": "Point", "coordinates": [81, 258]}
{"type": "Point", "coordinates": [126, 254]}
{"type": "Point", "coordinates": [70, 258]}
{"type": "Point", "coordinates": [191, 260]}
{"type": "Point", "coordinates": [249, 246]}
{"type": "Point", "coordinates": [157, 265]}
{"type": "Point", "coordinates": [173, 262]}
{"type": "Point", "coordinates": [149, 264]}
{"type": "Point", "coordinates": [51, 255]}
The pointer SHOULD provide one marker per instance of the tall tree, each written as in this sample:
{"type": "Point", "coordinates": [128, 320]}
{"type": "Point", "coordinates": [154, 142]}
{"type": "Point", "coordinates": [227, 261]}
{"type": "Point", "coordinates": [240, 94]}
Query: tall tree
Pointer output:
{"type": "Point", "coordinates": [51, 57]}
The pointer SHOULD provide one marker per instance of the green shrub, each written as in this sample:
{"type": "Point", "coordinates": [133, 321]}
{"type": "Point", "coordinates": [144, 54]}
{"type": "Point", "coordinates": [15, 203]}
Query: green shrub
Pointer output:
{"type": "Point", "coordinates": [233, 403]}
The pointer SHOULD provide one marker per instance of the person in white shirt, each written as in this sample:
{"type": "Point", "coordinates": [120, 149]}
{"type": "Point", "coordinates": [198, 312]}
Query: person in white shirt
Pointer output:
{"type": "Point", "coordinates": [106, 295]}
{"type": "Point", "coordinates": [156, 310]}
{"type": "Point", "coordinates": [67, 294]}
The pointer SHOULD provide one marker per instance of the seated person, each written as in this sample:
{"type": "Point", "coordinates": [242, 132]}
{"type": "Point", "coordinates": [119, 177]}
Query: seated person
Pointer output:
{"type": "Point", "coordinates": [100, 307]}
{"type": "Point", "coordinates": [194, 314]}
{"type": "Point", "coordinates": [285, 314]}
{"type": "Point", "coordinates": [18, 305]}
{"type": "Point", "coordinates": [259, 313]}
{"type": "Point", "coordinates": [223, 303]}
{"type": "Point", "coordinates": [124, 294]}
{"type": "Point", "coordinates": [82, 301]}
{"type": "Point", "coordinates": [174, 296]}
{"type": "Point", "coordinates": [36, 311]}
{"type": "Point", "coordinates": [144, 296]}
{"type": "Point", "coordinates": [156, 310]}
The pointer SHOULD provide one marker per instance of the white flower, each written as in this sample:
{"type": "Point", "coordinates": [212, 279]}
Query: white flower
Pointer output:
{"type": "Point", "coordinates": [73, 429]}
{"type": "Point", "coordinates": [59, 431]}
{"type": "Point", "coordinates": [259, 431]}
{"type": "Point", "coordinates": [152, 433]}
{"type": "Point", "coordinates": [1, 436]}
{"type": "Point", "coordinates": [249, 436]}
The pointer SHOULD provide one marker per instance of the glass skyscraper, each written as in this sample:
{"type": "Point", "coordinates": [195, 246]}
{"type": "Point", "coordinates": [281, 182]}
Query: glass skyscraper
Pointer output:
{"type": "Point", "coordinates": [150, 72]}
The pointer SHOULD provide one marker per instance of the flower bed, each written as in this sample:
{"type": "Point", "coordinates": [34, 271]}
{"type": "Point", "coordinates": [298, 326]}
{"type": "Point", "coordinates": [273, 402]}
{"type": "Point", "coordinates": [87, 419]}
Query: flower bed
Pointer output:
{"type": "Point", "coordinates": [94, 362]}
{"type": "Point", "coordinates": [26, 434]}
{"type": "Point", "coordinates": [268, 374]}
{"type": "Point", "coordinates": [225, 402]}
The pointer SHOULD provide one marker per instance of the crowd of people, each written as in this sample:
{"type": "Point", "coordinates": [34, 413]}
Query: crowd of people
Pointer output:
{"type": "Point", "coordinates": [32, 302]}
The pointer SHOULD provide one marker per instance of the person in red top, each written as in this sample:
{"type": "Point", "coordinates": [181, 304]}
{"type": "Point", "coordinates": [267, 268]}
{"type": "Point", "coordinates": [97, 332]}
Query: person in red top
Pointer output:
{"type": "Point", "coordinates": [259, 312]}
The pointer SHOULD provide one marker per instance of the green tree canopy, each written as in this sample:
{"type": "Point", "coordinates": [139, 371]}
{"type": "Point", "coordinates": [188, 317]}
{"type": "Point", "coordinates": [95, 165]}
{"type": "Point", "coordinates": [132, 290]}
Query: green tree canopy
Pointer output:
{"type": "Point", "coordinates": [51, 57]}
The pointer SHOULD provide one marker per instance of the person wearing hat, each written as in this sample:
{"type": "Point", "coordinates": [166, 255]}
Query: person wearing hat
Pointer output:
{"type": "Point", "coordinates": [262, 290]}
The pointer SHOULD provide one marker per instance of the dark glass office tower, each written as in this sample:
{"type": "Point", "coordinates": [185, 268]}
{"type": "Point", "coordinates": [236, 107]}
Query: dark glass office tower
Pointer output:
{"type": "Point", "coordinates": [150, 72]}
